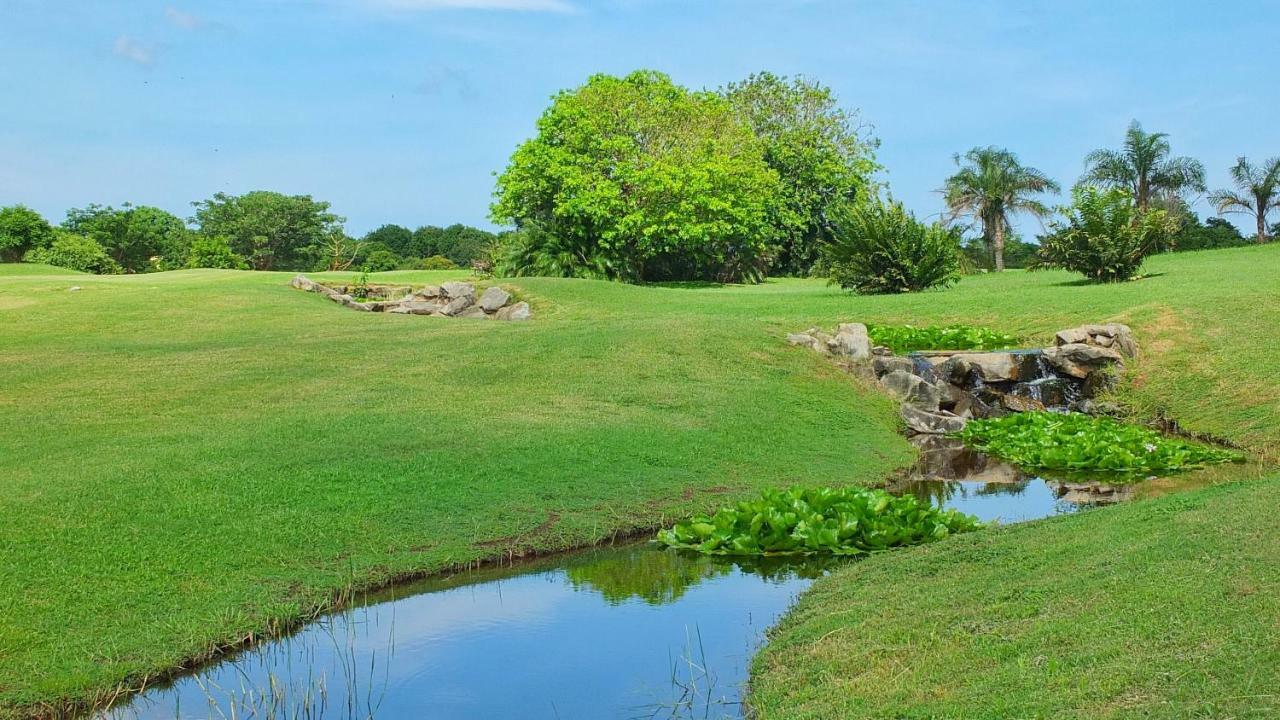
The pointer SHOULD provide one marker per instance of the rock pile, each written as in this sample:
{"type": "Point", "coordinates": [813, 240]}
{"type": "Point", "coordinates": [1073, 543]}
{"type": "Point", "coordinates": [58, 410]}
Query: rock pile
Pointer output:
{"type": "Point", "coordinates": [941, 391]}
{"type": "Point", "coordinates": [452, 299]}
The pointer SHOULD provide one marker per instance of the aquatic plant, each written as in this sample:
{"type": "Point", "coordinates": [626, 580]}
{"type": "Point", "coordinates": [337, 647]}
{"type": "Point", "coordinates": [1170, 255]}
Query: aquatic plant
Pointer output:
{"type": "Point", "coordinates": [1078, 442]}
{"type": "Point", "coordinates": [909, 338]}
{"type": "Point", "coordinates": [802, 521]}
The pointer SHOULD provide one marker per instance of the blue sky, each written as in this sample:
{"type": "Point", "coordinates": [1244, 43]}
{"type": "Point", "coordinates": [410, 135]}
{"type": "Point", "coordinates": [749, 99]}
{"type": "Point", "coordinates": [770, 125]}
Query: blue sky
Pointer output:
{"type": "Point", "coordinates": [401, 110]}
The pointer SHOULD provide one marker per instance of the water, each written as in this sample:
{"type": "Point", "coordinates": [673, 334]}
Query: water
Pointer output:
{"type": "Point", "coordinates": [629, 631]}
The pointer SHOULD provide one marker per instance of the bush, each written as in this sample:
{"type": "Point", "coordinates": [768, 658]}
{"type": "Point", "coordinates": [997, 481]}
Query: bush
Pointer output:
{"type": "Point", "coordinates": [1105, 236]}
{"type": "Point", "coordinates": [1075, 443]}
{"type": "Point", "coordinates": [214, 252]}
{"type": "Point", "coordinates": [381, 260]}
{"type": "Point", "coordinates": [802, 521]}
{"type": "Point", "coordinates": [908, 338]}
{"type": "Point", "coordinates": [436, 262]}
{"type": "Point", "coordinates": [21, 229]}
{"type": "Point", "coordinates": [881, 248]}
{"type": "Point", "coordinates": [74, 252]}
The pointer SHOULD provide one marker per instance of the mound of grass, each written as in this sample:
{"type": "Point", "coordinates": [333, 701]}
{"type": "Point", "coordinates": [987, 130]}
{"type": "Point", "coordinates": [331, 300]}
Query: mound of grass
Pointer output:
{"type": "Point", "coordinates": [1075, 442]}
{"type": "Point", "coordinates": [908, 338]}
{"type": "Point", "coordinates": [810, 521]}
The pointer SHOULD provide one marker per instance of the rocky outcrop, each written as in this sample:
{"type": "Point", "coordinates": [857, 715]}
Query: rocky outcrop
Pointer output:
{"type": "Point", "coordinates": [851, 341]}
{"type": "Point", "coordinates": [452, 299]}
{"type": "Point", "coordinates": [931, 423]}
{"type": "Point", "coordinates": [912, 390]}
{"type": "Point", "coordinates": [1111, 335]}
{"type": "Point", "coordinates": [1080, 360]}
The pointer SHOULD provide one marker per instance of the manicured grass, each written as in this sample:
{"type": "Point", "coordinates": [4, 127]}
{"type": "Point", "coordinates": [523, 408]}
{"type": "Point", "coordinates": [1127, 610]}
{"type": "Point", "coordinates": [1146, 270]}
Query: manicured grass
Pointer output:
{"type": "Point", "coordinates": [191, 458]}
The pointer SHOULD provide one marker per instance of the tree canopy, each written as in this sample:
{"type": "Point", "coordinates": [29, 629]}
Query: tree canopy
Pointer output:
{"type": "Point", "coordinates": [990, 187]}
{"type": "Point", "coordinates": [1257, 192]}
{"type": "Point", "coordinates": [136, 238]}
{"type": "Point", "coordinates": [1145, 167]}
{"type": "Point", "coordinates": [22, 229]}
{"type": "Point", "coordinates": [269, 229]}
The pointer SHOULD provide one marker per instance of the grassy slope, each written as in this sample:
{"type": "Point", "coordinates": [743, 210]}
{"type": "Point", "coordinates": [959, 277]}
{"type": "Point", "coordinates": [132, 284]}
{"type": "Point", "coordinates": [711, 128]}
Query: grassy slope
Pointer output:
{"type": "Point", "coordinates": [205, 453]}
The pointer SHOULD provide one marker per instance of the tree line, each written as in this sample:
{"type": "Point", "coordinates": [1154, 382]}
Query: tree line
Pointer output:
{"type": "Point", "coordinates": [259, 230]}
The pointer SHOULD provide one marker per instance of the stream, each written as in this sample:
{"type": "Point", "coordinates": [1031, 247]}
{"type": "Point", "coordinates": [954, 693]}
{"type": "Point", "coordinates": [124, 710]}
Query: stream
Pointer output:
{"type": "Point", "coordinates": [622, 631]}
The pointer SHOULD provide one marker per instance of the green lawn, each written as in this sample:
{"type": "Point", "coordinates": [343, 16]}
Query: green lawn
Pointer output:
{"type": "Point", "coordinates": [195, 457]}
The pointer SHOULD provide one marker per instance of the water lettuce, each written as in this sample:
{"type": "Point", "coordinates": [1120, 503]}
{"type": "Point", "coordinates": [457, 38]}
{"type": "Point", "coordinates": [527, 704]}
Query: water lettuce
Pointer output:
{"type": "Point", "coordinates": [810, 521]}
{"type": "Point", "coordinates": [908, 338]}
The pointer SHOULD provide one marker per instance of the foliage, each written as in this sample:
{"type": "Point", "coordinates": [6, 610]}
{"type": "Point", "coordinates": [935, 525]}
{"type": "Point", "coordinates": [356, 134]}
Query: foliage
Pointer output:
{"type": "Point", "coordinates": [1018, 254]}
{"type": "Point", "coordinates": [1213, 233]}
{"type": "Point", "coordinates": [1075, 442]}
{"type": "Point", "coordinates": [531, 251]}
{"type": "Point", "coordinates": [381, 260]}
{"type": "Point", "coordinates": [214, 252]}
{"type": "Point", "coordinates": [645, 180]}
{"type": "Point", "coordinates": [139, 239]}
{"type": "Point", "coordinates": [881, 248]}
{"type": "Point", "coordinates": [1257, 193]}
{"type": "Point", "coordinates": [436, 262]}
{"type": "Point", "coordinates": [22, 229]}
{"type": "Point", "coordinates": [270, 230]}
{"type": "Point", "coordinates": [396, 238]}
{"type": "Point", "coordinates": [819, 150]}
{"type": "Point", "coordinates": [360, 285]}
{"type": "Point", "coordinates": [990, 187]}
{"type": "Point", "coordinates": [1105, 236]}
{"type": "Point", "coordinates": [800, 521]}
{"type": "Point", "coordinates": [909, 338]}
{"type": "Point", "coordinates": [655, 577]}
{"type": "Point", "coordinates": [74, 252]}
{"type": "Point", "coordinates": [1145, 168]}
{"type": "Point", "coordinates": [460, 243]}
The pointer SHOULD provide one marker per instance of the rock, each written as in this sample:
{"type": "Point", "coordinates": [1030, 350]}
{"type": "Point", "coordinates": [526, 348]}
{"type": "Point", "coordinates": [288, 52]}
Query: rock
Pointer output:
{"type": "Point", "coordinates": [519, 311]}
{"type": "Point", "coordinates": [931, 423]}
{"type": "Point", "coordinates": [1019, 403]}
{"type": "Point", "coordinates": [301, 282]}
{"type": "Point", "coordinates": [951, 396]}
{"type": "Point", "coordinates": [429, 292]}
{"type": "Point", "coordinates": [911, 389]}
{"type": "Point", "coordinates": [458, 304]}
{"type": "Point", "coordinates": [457, 290]}
{"type": "Point", "coordinates": [74, 288]}
{"type": "Point", "coordinates": [806, 340]}
{"type": "Point", "coordinates": [971, 406]}
{"type": "Point", "coordinates": [993, 366]}
{"type": "Point", "coordinates": [492, 299]}
{"type": "Point", "coordinates": [1109, 335]}
{"type": "Point", "coordinates": [1071, 336]}
{"type": "Point", "coordinates": [955, 370]}
{"type": "Point", "coordinates": [1080, 360]}
{"type": "Point", "coordinates": [475, 311]}
{"type": "Point", "coordinates": [851, 341]}
{"type": "Point", "coordinates": [885, 364]}
{"type": "Point", "coordinates": [881, 351]}
{"type": "Point", "coordinates": [417, 307]}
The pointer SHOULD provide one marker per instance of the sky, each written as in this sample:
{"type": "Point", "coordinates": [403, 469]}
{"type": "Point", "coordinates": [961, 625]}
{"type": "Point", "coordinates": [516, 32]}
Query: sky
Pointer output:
{"type": "Point", "coordinates": [401, 111]}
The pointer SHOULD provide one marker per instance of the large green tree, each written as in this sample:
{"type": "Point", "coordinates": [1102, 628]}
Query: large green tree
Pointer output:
{"type": "Point", "coordinates": [138, 238]}
{"type": "Point", "coordinates": [269, 229]}
{"type": "Point", "coordinates": [989, 188]}
{"type": "Point", "coordinates": [1257, 192]}
{"type": "Point", "coordinates": [821, 152]}
{"type": "Point", "coordinates": [397, 238]}
{"type": "Point", "coordinates": [640, 179]}
{"type": "Point", "coordinates": [22, 229]}
{"type": "Point", "coordinates": [1145, 167]}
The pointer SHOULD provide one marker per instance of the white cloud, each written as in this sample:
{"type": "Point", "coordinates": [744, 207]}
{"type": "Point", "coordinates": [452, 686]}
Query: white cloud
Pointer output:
{"type": "Point", "coordinates": [517, 5]}
{"type": "Point", "coordinates": [184, 20]}
{"type": "Point", "coordinates": [130, 50]}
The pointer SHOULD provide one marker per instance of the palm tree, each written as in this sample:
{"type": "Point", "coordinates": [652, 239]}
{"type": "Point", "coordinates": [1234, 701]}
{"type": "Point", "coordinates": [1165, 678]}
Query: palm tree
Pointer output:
{"type": "Point", "coordinates": [1259, 192]}
{"type": "Point", "coordinates": [990, 187]}
{"type": "Point", "coordinates": [1144, 167]}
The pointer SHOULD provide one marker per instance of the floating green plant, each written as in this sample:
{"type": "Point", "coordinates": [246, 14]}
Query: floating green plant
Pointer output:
{"type": "Point", "coordinates": [908, 338]}
{"type": "Point", "coordinates": [804, 521]}
{"type": "Point", "coordinates": [1078, 442]}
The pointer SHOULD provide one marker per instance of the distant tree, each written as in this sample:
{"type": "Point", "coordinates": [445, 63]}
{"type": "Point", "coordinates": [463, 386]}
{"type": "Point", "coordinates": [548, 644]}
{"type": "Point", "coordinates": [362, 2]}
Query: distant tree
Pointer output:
{"type": "Point", "coordinates": [1018, 253]}
{"type": "Point", "coordinates": [1214, 232]}
{"type": "Point", "coordinates": [1144, 167]}
{"type": "Point", "coordinates": [990, 187]}
{"type": "Point", "coordinates": [1104, 235]}
{"type": "Point", "coordinates": [396, 238]}
{"type": "Point", "coordinates": [645, 180]}
{"type": "Point", "coordinates": [74, 252]}
{"type": "Point", "coordinates": [214, 252]}
{"type": "Point", "coordinates": [1257, 194]}
{"type": "Point", "coordinates": [380, 261]}
{"type": "Point", "coordinates": [270, 230]}
{"type": "Point", "coordinates": [22, 229]}
{"type": "Point", "coordinates": [821, 153]}
{"type": "Point", "coordinates": [337, 250]}
{"type": "Point", "coordinates": [879, 247]}
{"type": "Point", "coordinates": [138, 238]}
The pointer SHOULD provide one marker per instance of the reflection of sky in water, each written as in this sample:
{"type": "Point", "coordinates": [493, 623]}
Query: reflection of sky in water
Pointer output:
{"type": "Point", "coordinates": [524, 646]}
{"type": "Point", "coordinates": [1008, 503]}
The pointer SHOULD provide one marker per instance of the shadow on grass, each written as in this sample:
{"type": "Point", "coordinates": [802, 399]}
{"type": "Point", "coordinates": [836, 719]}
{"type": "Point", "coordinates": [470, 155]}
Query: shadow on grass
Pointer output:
{"type": "Point", "coordinates": [1084, 282]}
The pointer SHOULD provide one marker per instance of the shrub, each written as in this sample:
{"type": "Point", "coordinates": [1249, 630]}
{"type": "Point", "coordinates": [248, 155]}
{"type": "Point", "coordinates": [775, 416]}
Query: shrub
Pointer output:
{"type": "Point", "coordinates": [1105, 236]}
{"type": "Point", "coordinates": [436, 262]}
{"type": "Point", "coordinates": [881, 248]}
{"type": "Point", "coordinates": [21, 229]}
{"type": "Point", "coordinates": [214, 252]}
{"type": "Point", "coordinates": [907, 338]}
{"type": "Point", "coordinates": [74, 252]}
{"type": "Point", "coordinates": [381, 260]}
{"type": "Point", "coordinates": [1083, 443]}
{"type": "Point", "coordinates": [801, 521]}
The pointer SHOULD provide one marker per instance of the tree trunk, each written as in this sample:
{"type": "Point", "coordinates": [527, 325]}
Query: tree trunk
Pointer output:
{"type": "Point", "coordinates": [998, 246]}
{"type": "Point", "coordinates": [1262, 227]}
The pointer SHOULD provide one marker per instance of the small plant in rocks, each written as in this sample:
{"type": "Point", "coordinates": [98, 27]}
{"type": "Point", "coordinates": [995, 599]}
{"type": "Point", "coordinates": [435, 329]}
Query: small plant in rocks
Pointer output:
{"type": "Point", "coordinates": [908, 338]}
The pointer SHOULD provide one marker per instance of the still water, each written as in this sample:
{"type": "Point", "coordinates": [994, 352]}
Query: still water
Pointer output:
{"type": "Point", "coordinates": [628, 631]}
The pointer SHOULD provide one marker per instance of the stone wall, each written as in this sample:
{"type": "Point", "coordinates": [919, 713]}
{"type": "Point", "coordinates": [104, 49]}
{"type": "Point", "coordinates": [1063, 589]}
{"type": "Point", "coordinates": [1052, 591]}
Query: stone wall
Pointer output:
{"type": "Point", "coordinates": [451, 299]}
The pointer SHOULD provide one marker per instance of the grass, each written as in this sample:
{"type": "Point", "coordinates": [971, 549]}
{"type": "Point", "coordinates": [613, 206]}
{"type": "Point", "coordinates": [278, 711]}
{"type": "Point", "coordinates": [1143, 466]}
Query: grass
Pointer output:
{"type": "Point", "coordinates": [194, 458]}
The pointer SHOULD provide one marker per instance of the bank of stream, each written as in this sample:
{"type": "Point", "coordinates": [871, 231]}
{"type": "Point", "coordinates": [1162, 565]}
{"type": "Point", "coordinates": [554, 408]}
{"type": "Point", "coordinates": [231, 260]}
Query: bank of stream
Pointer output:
{"type": "Point", "coordinates": [621, 631]}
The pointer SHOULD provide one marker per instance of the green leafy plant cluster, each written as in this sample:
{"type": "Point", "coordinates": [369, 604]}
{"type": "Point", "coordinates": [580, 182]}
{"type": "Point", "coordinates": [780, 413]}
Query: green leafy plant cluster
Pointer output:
{"type": "Point", "coordinates": [880, 248]}
{"type": "Point", "coordinates": [1077, 442]}
{"type": "Point", "coordinates": [806, 521]}
{"type": "Point", "coordinates": [1105, 236]}
{"type": "Point", "coordinates": [909, 338]}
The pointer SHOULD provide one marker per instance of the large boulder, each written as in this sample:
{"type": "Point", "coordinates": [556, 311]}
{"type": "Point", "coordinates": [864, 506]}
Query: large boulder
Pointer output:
{"type": "Point", "coordinates": [492, 299]}
{"type": "Point", "coordinates": [912, 389]}
{"type": "Point", "coordinates": [1080, 360]}
{"type": "Point", "coordinates": [806, 340]}
{"type": "Point", "coordinates": [885, 364]}
{"type": "Point", "coordinates": [1110, 335]}
{"type": "Point", "coordinates": [517, 312]}
{"type": "Point", "coordinates": [851, 341]}
{"type": "Point", "coordinates": [456, 290]}
{"type": "Point", "coordinates": [430, 292]}
{"type": "Point", "coordinates": [993, 366]}
{"type": "Point", "coordinates": [458, 304]}
{"type": "Point", "coordinates": [931, 423]}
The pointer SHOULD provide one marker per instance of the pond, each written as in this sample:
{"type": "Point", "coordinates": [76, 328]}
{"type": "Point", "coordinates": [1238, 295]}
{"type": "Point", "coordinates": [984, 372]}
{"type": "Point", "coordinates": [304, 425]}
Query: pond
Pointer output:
{"type": "Point", "coordinates": [627, 631]}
